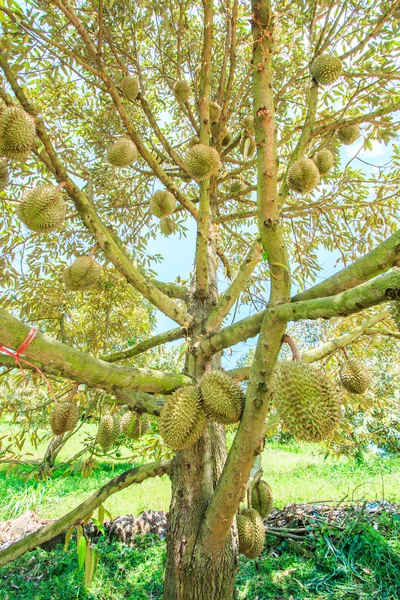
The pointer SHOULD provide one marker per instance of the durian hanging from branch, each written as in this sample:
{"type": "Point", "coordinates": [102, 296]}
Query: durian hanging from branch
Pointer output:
{"type": "Point", "coordinates": [17, 133]}
{"type": "Point", "coordinates": [168, 226]}
{"type": "Point", "coordinates": [202, 161]}
{"type": "Point", "coordinates": [130, 87]}
{"type": "Point", "coordinates": [42, 208]}
{"type": "Point", "coordinates": [349, 134]}
{"type": "Point", "coordinates": [261, 498]}
{"type": "Point", "coordinates": [64, 417]}
{"type": "Point", "coordinates": [251, 533]}
{"type": "Point", "coordinates": [354, 375]}
{"type": "Point", "coordinates": [162, 203]}
{"type": "Point", "coordinates": [182, 91]}
{"type": "Point", "coordinates": [133, 426]}
{"type": "Point", "coordinates": [182, 419]}
{"type": "Point", "coordinates": [108, 431]}
{"type": "Point", "coordinates": [84, 274]}
{"type": "Point", "coordinates": [326, 69]}
{"type": "Point", "coordinates": [305, 399]}
{"type": "Point", "coordinates": [222, 397]}
{"type": "Point", "coordinates": [122, 153]}
{"type": "Point", "coordinates": [324, 161]}
{"type": "Point", "coordinates": [303, 176]}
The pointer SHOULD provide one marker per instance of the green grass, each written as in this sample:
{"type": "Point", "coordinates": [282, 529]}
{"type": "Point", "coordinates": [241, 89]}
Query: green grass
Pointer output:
{"type": "Point", "coordinates": [357, 563]}
{"type": "Point", "coordinates": [296, 473]}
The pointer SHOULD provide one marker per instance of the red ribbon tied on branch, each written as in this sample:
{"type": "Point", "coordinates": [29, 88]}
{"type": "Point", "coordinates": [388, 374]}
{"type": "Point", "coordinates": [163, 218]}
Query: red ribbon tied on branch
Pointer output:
{"type": "Point", "coordinates": [18, 360]}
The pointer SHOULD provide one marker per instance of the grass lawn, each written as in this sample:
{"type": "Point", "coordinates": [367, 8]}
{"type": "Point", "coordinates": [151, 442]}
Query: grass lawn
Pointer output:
{"type": "Point", "coordinates": [352, 564]}
{"type": "Point", "coordinates": [296, 473]}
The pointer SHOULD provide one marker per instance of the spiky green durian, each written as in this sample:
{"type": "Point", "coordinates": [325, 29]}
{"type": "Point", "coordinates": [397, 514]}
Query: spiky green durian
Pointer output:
{"type": "Point", "coordinates": [202, 161]}
{"type": "Point", "coordinates": [122, 153]}
{"type": "Point", "coordinates": [349, 134]}
{"type": "Point", "coordinates": [247, 146]}
{"type": "Point", "coordinates": [42, 208]}
{"type": "Point", "coordinates": [222, 397]}
{"type": "Point", "coordinates": [306, 401]}
{"type": "Point", "coordinates": [17, 133]}
{"type": "Point", "coordinates": [245, 534]}
{"type": "Point", "coordinates": [324, 160]}
{"type": "Point", "coordinates": [84, 274]}
{"type": "Point", "coordinates": [214, 111]}
{"type": "Point", "coordinates": [237, 186]}
{"type": "Point", "coordinates": [108, 431]}
{"type": "Point", "coordinates": [182, 419]}
{"type": "Point", "coordinates": [194, 141]}
{"type": "Point", "coordinates": [130, 87]}
{"type": "Point", "coordinates": [326, 69]}
{"type": "Point", "coordinates": [133, 426]}
{"type": "Point", "coordinates": [3, 174]}
{"type": "Point", "coordinates": [64, 417]}
{"type": "Point", "coordinates": [168, 226]}
{"type": "Point", "coordinates": [227, 139]}
{"type": "Point", "coordinates": [303, 176]}
{"type": "Point", "coordinates": [248, 124]}
{"type": "Point", "coordinates": [261, 498]}
{"type": "Point", "coordinates": [354, 376]}
{"type": "Point", "coordinates": [182, 91]}
{"type": "Point", "coordinates": [257, 535]}
{"type": "Point", "coordinates": [162, 203]}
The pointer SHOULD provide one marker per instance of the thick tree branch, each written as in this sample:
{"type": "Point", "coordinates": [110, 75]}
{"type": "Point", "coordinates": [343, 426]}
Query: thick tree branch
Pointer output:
{"type": "Point", "coordinates": [247, 442]}
{"type": "Point", "coordinates": [84, 510]}
{"type": "Point", "coordinates": [203, 224]}
{"type": "Point", "coordinates": [379, 260]}
{"type": "Point", "coordinates": [70, 363]}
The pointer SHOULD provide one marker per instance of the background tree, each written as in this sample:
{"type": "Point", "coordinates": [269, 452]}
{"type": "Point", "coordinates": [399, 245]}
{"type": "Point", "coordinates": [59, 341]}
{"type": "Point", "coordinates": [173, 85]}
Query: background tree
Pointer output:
{"type": "Point", "coordinates": [226, 99]}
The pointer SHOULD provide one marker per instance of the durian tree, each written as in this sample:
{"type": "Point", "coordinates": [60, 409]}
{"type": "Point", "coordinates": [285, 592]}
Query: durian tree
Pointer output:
{"type": "Point", "coordinates": [124, 120]}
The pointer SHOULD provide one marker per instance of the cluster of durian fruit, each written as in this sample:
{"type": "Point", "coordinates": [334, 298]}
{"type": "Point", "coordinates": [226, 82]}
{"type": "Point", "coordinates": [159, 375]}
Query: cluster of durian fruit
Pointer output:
{"type": "Point", "coordinates": [250, 526]}
{"type": "Point", "coordinates": [305, 174]}
{"type": "Point", "coordinates": [65, 416]}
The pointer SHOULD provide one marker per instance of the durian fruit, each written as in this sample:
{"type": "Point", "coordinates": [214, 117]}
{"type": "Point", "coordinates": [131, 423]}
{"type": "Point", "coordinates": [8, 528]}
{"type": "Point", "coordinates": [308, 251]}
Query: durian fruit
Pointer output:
{"type": "Point", "coordinates": [324, 160]}
{"type": "Point", "coordinates": [194, 141]}
{"type": "Point", "coordinates": [17, 133]}
{"type": "Point", "coordinates": [182, 419]}
{"type": "Point", "coordinates": [64, 417]}
{"type": "Point", "coordinates": [130, 87]}
{"type": "Point", "coordinates": [261, 498]}
{"type": "Point", "coordinates": [326, 69]}
{"type": "Point", "coordinates": [42, 208]}
{"type": "Point", "coordinates": [222, 397]}
{"type": "Point", "coordinates": [303, 176]}
{"type": "Point", "coordinates": [237, 186]}
{"type": "Point", "coordinates": [247, 146]}
{"type": "Point", "coordinates": [133, 426]}
{"type": "Point", "coordinates": [245, 533]}
{"type": "Point", "coordinates": [162, 203]}
{"type": "Point", "coordinates": [306, 401]}
{"type": "Point", "coordinates": [182, 91]}
{"type": "Point", "coordinates": [202, 161]}
{"type": "Point", "coordinates": [3, 174]}
{"type": "Point", "coordinates": [167, 226]}
{"type": "Point", "coordinates": [251, 533]}
{"type": "Point", "coordinates": [122, 153]}
{"type": "Point", "coordinates": [354, 376]}
{"type": "Point", "coordinates": [248, 124]}
{"type": "Point", "coordinates": [108, 431]}
{"type": "Point", "coordinates": [227, 139]}
{"type": "Point", "coordinates": [84, 273]}
{"type": "Point", "coordinates": [349, 134]}
{"type": "Point", "coordinates": [214, 111]}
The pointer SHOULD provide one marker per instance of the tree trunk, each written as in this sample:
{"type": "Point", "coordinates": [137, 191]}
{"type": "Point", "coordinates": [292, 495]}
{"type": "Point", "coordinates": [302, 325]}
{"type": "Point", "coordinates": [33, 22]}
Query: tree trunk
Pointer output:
{"type": "Point", "coordinates": [191, 573]}
{"type": "Point", "coordinates": [53, 449]}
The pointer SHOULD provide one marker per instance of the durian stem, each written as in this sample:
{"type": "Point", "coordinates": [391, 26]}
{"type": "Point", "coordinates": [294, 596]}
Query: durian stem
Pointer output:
{"type": "Point", "coordinates": [345, 353]}
{"type": "Point", "coordinates": [287, 339]}
{"type": "Point", "coordinates": [93, 250]}
{"type": "Point", "coordinates": [61, 186]}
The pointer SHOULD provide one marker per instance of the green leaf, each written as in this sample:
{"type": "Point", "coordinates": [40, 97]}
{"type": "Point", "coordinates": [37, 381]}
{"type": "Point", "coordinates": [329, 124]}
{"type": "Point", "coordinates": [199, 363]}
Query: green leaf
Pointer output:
{"type": "Point", "coordinates": [68, 537]}
{"type": "Point", "coordinates": [81, 551]}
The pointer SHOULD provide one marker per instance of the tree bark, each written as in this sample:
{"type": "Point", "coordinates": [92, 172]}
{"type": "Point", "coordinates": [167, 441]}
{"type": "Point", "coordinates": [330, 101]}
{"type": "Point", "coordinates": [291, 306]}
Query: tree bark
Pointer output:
{"type": "Point", "coordinates": [191, 573]}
